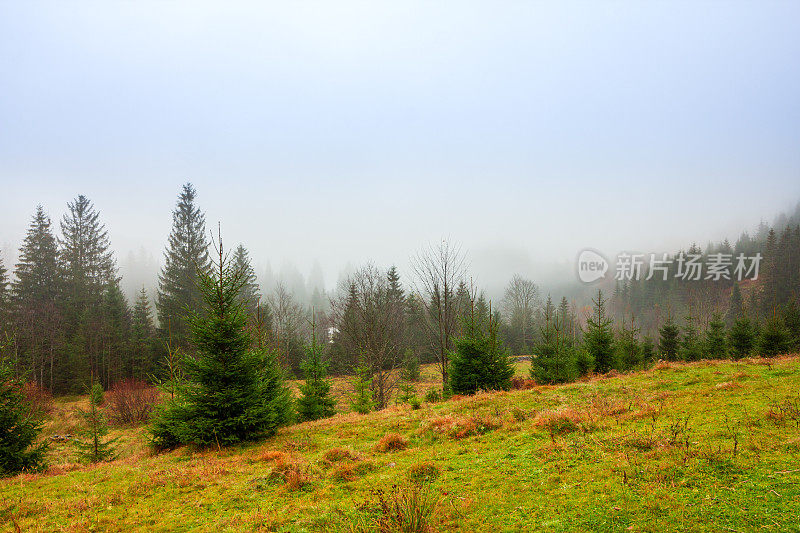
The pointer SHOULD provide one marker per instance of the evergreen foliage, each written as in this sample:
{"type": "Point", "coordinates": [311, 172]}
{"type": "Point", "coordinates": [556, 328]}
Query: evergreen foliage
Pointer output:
{"type": "Point", "coordinates": [142, 338]}
{"type": "Point", "coordinates": [691, 348]}
{"type": "Point", "coordinates": [231, 393]}
{"type": "Point", "coordinates": [629, 351]}
{"type": "Point", "coordinates": [741, 337]}
{"type": "Point", "coordinates": [19, 428]}
{"type": "Point", "coordinates": [668, 343]}
{"type": "Point", "coordinates": [555, 359]}
{"type": "Point", "coordinates": [599, 337]}
{"type": "Point", "coordinates": [480, 361]}
{"type": "Point", "coordinates": [315, 401]}
{"type": "Point", "coordinates": [93, 448]}
{"type": "Point", "coordinates": [648, 351]}
{"type": "Point", "coordinates": [362, 401]}
{"type": "Point", "coordinates": [716, 345]}
{"type": "Point", "coordinates": [791, 319]}
{"type": "Point", "coordinates": [185, 259]}
{"type": "Point", "coordinates": [410, 370]}
{"type": "Point", "coordinates": [774, 338]}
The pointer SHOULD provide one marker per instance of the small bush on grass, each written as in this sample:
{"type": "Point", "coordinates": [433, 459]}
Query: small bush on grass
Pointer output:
{"type": "Point", "coordinates": [433, 396]}
{"type": "Point", "coordinates": [131, 401]}
{"type": "Point", "coordinates": [423, 472]}
{"type": "Point", "coordinates": [559, 421]}
{"type": "Point", "coordinates": [391, 442]}
{"type": "Point", "coordinates": [402, 508]}
{"type": "Point", "coordinates": [290, 473]}
{"type": "Point", "coordinates": [349, 471]}
{"type": "Point", "coordinates": [335, 455]}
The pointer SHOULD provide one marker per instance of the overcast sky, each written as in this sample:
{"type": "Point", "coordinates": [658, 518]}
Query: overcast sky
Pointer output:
{"type": "Point", "coordinates": [341, 132]}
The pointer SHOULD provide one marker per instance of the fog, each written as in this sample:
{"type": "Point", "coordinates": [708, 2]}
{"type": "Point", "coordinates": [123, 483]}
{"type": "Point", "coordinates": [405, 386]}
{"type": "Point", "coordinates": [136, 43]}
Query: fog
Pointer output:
{"type": "Point", "coordinates": [323, 136]}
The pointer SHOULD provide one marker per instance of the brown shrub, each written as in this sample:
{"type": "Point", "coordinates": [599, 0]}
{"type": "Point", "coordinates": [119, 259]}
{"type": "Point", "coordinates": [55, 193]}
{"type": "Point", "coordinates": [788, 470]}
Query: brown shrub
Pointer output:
{"type": "Point", "coordinates": [335, 455]}
{"type": "Point", "coordinates": [461, 428]}
{"type": "Point", "coordinates": [391, 442]}
{"type": "Point", "coordinates": [39, 400]}
{"type": "Point", "coordinates": [352, 470]}
{"type": "Point", "coordinates": [131, 401]}
{"type": "Point", "coordinates": [662, 365]}
{"type": "Point", "coordinates": [522, 384]}
{"type": "Point", "coordinates": [273, 455]}
{"type": "Point", "coordinates": [292, 474]}
{"type": "Point", "coordinates": [559, 421]}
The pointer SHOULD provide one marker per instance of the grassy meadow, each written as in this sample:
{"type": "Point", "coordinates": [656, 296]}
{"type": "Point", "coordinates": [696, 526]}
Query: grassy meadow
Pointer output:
{"type": "Point", "coordinates": [708, 446]}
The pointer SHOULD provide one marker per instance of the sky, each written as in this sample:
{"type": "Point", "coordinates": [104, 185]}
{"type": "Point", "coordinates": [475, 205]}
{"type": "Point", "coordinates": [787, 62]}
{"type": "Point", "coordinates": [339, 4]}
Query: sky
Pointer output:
{"type": "Point", "coordinates": [335, 133]}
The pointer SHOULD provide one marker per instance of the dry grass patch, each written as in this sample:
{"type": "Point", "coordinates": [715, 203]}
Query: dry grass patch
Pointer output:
{"type": "Point", "coordinates": [293, 474]}
{"type": "Point", "coordinates": [463, 427]}
{"type": "Point", "coordinates": [727, 385]}
{"type": "Point", "coordinates": [351, 470]}
{"type": "Point", "coordinates": [391, 442]}
{"type": "Point", "coordinates": [559, 421]}
{"type": "Point", "coordinates": [335, 455]}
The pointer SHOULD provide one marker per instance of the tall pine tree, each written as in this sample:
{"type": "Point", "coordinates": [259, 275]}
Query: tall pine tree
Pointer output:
{"type": "Point", "coordinates": [143, 346]}
{"type": "Point", "coordinates": [35, 293]}
{"type": "Point", "coordinates": [88, 270]}
{"type": "Point", "coordinates": [185, 259]}
{"type": "Point", "coordinates": [599, 337]}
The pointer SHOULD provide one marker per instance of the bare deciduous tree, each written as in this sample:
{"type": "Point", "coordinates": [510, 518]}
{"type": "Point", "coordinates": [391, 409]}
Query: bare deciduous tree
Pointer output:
{"type": "Point", "coordinates": [520, 302]}
{"type": "Point", "coordinates": [439, 269]}
{"type": "Point", "coordinates": [369, 321]}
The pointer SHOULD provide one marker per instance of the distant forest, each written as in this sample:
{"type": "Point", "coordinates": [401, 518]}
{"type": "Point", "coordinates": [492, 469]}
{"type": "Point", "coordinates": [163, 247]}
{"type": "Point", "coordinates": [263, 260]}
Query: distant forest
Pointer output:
{"type": "Point", "coordinates": [64, 319]}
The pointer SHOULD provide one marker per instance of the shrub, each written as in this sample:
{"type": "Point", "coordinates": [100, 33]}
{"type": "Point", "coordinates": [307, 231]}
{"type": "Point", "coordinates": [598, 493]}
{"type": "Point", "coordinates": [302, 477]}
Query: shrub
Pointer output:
{"type": "Point", "coordinates": [391, 442]}
{"type": "Point", "coordinates": [433, 396]}
{"type": "Point", "coordinates": [405, 508]}
{"type": "Point", "coordinates": [522, 384]}
{"type": "Point", "coordinates": [559, 422]}
{"type": "Point", "coordinates": [131, 401]}
{"type": "Point", "coordinates": [352, 470]}
{"type": "Point", "coordinates": [461, 428]}
{"type": "Point", "coordinates": [363, 400]}
{"type": "Point", "coordinates": [422, 472]}
{"type": "Point", "coordinates": [292, 474]}
{"type": "Point", "coordinates": [334, 455]}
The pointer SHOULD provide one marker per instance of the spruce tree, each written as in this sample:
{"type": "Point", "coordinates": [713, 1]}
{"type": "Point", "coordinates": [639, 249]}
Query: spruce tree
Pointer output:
{"type": "Point", "coordinates": [774, 338]}
{"type": "Point", "coordinates": [555, 359]}
{"type": "Point", "coordinates": [142, 337]}
{"type": "Point", "coordinates": [88, 269]}
{"type": "Point", "coordinates": [410, 371]}
{"type": "Point", "coordinates": [231, 393]}
{"type": "Point", "coordinates": [315, 401]}
{"type": "Point", "coordinates": [92, 447]}
{"type": "Point", "coordinates": [691, 348]}
{"type": "Point", "coordinates": [249, 294]}
{"type": "Point", "coordinates": [741, 337]}
{"type": "Point", "coordinates": [629, 352]}
{"type": "Point", "coordinates": [5, 297]}
{"type": "Point", "coordinates": [116, 358]}
{"type": "Point", "coordinates": [35, 295]}
{"type": "Point", "coordinates": [736, 306]}
{"type": "Point", "coordinates": [668, 343]}
{"type": "Point", "coordinates": [480, 361]}
{"type": "Point", "coordinates": [599, 337]}
{"type": "Point", "coordinates": [185, 259]}
{"type": "Point", "coordinates": [19, 427]}
{"type": "Point", "coordinates": [648, 351]}
{"type": "Point", "coordinates": [716, 346]}
{"type": "Point", "coordinates": [362, 401]}
{"type": "Point", "coordinates": [791, 318]}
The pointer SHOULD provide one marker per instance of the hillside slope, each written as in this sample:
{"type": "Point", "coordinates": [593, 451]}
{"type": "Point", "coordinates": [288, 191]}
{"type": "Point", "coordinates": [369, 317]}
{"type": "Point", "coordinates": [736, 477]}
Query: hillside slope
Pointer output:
{"type": "Point", "coordinates": [707, 446]}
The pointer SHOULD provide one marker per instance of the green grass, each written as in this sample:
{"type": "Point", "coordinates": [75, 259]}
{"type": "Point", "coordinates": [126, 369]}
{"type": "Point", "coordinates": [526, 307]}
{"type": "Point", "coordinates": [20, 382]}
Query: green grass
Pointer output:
{"type": "Point", "coordinates": [647, 451]}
